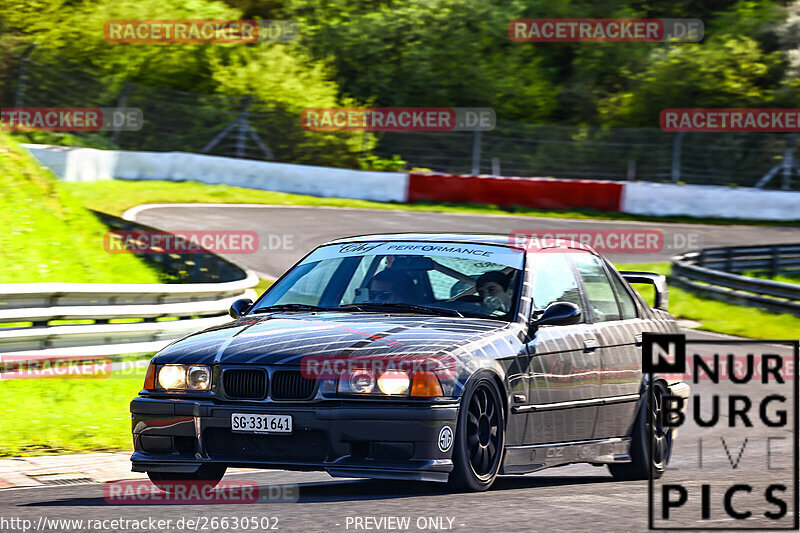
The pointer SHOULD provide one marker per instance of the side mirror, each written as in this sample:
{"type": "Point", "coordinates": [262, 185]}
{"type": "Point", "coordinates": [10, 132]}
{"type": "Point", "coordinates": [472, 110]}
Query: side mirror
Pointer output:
{"type": "Point", "coordinates": [240, 307]}
{"type": "Point", "coordinates": [559, 314]}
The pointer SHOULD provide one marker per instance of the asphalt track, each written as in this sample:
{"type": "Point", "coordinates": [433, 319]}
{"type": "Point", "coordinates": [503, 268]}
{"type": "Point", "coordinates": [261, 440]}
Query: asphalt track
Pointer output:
{"type": "Point", "coordinates": [287, 233]}
{"type": "Point", "coordinates": [571, 498]}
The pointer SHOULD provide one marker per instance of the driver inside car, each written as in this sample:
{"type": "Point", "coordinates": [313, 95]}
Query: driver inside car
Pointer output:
{"type": "Point", "coordinates": [392, 286]}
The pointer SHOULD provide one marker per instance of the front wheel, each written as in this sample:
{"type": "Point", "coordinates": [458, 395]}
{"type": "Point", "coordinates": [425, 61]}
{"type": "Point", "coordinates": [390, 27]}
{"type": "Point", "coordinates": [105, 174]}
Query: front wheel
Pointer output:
{"type": "Point", "coordinates": [480, 437]}
{"type": "Point", "coordinates": [208, 475]}
{"type": "Point", "coordinates": [644, 458]}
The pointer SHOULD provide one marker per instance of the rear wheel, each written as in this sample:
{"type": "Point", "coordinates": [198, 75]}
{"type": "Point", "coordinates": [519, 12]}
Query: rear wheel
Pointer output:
{"type": "Point", "coordinates": [480, 437]}
{"type": "Point", "coordinates": [644, 459]}
{"type": "Point", "coordinates": [208, 476]}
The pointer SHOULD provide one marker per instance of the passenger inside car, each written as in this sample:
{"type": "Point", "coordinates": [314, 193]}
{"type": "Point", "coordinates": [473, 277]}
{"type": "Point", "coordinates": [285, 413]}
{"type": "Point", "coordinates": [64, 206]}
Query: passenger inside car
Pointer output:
{"type": "Point", "coordinates": [494, 288]}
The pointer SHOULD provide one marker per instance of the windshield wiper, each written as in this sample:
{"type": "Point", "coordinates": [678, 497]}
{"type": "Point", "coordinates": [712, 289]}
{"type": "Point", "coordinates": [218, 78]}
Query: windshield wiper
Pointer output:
{"type": "Point", "coordinates": [290, 307]}
{"type": "Point", "coordinates": [380, 306]}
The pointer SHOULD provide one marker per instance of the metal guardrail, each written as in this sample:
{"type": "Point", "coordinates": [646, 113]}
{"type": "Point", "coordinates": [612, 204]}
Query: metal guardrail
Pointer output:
{"type": "Point", "coordinates": [716, 273]}
{"type": "Point", "coordinates": [44, 303]}
{"type": "Point", "coordinates": [118, 319]}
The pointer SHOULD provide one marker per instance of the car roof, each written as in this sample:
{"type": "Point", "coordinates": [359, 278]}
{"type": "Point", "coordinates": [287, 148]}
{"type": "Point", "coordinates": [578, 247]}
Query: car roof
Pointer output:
{"type": "Point", "coordinates": [465, 238]}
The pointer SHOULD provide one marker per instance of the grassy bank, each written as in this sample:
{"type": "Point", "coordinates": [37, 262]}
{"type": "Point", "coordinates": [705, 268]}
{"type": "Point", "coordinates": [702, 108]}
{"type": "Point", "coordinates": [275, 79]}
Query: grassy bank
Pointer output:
{"type": "Point", "coordinates": [45, 416]}
{"type": "Point", "coordinates": [720, 317]}
{"type": "Point", "coordinates": [48, 235]}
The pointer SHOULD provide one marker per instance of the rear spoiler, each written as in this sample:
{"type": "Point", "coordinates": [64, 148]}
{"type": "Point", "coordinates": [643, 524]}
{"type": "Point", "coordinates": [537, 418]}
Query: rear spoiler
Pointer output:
{"type": "Point", "coordinates": [656, 280]}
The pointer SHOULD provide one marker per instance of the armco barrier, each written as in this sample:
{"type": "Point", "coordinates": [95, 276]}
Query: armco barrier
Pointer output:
{"type": "Point", "coordinates": [541, 193]}
{"type": "Point", "coordinates": [43, 303]}
{"type": "Point", "coordinates": [713, 273]}
{"type": "Point", "coordinates": [216, 284]}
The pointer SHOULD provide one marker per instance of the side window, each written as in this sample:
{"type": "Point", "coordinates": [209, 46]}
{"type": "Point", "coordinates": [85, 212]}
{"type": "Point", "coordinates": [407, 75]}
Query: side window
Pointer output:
{"type": "Point", "coordinates": [554, 281]}
{"type": "Point", "coordinates": [625, 300]}
{"type": "Point", "coordinates": [598, 288]}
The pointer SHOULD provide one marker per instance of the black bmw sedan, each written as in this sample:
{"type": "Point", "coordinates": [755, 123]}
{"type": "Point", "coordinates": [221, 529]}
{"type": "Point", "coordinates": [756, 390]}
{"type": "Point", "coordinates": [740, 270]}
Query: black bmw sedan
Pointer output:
{"type": "Point", "coordinates": [431, 357]}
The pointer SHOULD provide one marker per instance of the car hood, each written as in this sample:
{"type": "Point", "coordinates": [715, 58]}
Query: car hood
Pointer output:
{"type": "Point", "coordinates": [284, 338]}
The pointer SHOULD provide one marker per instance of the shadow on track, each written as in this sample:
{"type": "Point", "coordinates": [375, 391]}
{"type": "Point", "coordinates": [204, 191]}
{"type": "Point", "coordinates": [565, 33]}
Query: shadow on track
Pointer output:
{"type": "Point", "coordinates": [355, 490]}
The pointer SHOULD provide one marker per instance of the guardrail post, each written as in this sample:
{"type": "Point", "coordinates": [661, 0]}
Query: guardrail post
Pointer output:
{"type": "Point", "coordinates": [774, 266]}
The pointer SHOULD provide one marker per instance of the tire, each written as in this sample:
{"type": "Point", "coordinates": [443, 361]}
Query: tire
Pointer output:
{"type": "Point", "coordinates": [209, 474]}
{"type": "Point", "coordinates": [480, 437]}
{"type": "Point", "coordinates": [642, 460]}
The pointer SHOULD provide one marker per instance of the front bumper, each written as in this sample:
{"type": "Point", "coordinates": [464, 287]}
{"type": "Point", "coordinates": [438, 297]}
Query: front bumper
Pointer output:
{"type": "Point", "coordinates": [377, 440]}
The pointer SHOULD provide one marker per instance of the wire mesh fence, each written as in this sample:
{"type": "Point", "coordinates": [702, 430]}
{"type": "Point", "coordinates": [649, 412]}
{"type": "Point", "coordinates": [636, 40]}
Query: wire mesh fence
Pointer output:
{"type": "Point", "coordinates": [240, 126]}
{"type": "Point", "coordinates": [515, 149]}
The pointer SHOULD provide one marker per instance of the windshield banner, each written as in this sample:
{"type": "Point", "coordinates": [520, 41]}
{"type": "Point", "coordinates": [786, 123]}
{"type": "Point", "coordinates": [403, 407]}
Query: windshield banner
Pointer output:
{"type": "Point", "coordinates": [500, 255]}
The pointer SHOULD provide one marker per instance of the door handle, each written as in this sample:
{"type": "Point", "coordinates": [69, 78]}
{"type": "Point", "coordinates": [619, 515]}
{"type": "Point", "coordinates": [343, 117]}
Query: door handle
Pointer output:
{"type": "Point", "coordinates": [589, 345]}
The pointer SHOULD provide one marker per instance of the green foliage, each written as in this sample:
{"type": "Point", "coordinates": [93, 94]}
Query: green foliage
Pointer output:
{"type": "Point", "coordinates": [422, 53]}
{"type": "Point", "coordinates": [727, 72]}
{"type": "Point", "coordinates": [373, 162]}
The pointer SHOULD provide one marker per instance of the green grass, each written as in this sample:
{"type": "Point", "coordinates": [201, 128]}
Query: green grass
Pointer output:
{"type": "Point", "coordinates": [784, 278]}
{"type": "Point", "coordinates": [116, 196]}
{"type": "Point", "coordinates": [719, 317]}
{"type": "Point", "coordinates": [47, 416]}
{"type": "Point", "coordinates": [47, 235]}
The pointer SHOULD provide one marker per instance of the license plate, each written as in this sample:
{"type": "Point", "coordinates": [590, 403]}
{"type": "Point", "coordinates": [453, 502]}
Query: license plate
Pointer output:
{"type": "Point", "coordinates": [246, 423]}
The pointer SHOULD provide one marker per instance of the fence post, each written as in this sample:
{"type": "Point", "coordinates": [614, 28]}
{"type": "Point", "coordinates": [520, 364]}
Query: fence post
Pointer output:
{"type": "Point", "coordinates": [23, 76]}
{"type": "Point", "coordinates": [476, 153]}
{"type": "Point", "coordinates": [788, 162]}
{"type": "Point", "coordinates": [631, 169]}
{"type": "Point", "coordinates": [677, 143]}
{"type": "Point", "coordinates": [121, 101]}
{"type": "Point", "coordinates": [495, 166]}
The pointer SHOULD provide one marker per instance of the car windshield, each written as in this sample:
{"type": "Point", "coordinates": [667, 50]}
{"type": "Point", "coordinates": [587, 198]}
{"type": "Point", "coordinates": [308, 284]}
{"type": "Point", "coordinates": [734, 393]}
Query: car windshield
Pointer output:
{"type": "Point", "coordinates": [454, 279]}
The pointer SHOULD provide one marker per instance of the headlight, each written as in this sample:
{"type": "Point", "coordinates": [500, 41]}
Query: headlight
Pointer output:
{"type": "Point", "coordinates": [393, 382]}
{"type": "Point", "coordinates": [172, 377]}
{"type": "Point", "coordinates": [360, 381]}
{"type": "Point", "coordinates": [182, 377]}
{"type": "Point", "coordinates": [198, 378]}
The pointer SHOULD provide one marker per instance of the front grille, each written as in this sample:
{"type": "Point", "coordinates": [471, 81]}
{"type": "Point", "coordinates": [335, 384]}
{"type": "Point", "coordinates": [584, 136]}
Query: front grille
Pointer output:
{"type": "Point", "coordinates": [245, 384]}
{"type": "Point", "coordinates": [292, 385]}
{"type": "Point", "coordinates": [305, 446]}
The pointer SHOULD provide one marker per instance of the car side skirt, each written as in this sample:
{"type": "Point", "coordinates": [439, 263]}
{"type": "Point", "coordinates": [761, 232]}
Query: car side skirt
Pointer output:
{"type": "Point", "coordinates": [530, 458]}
